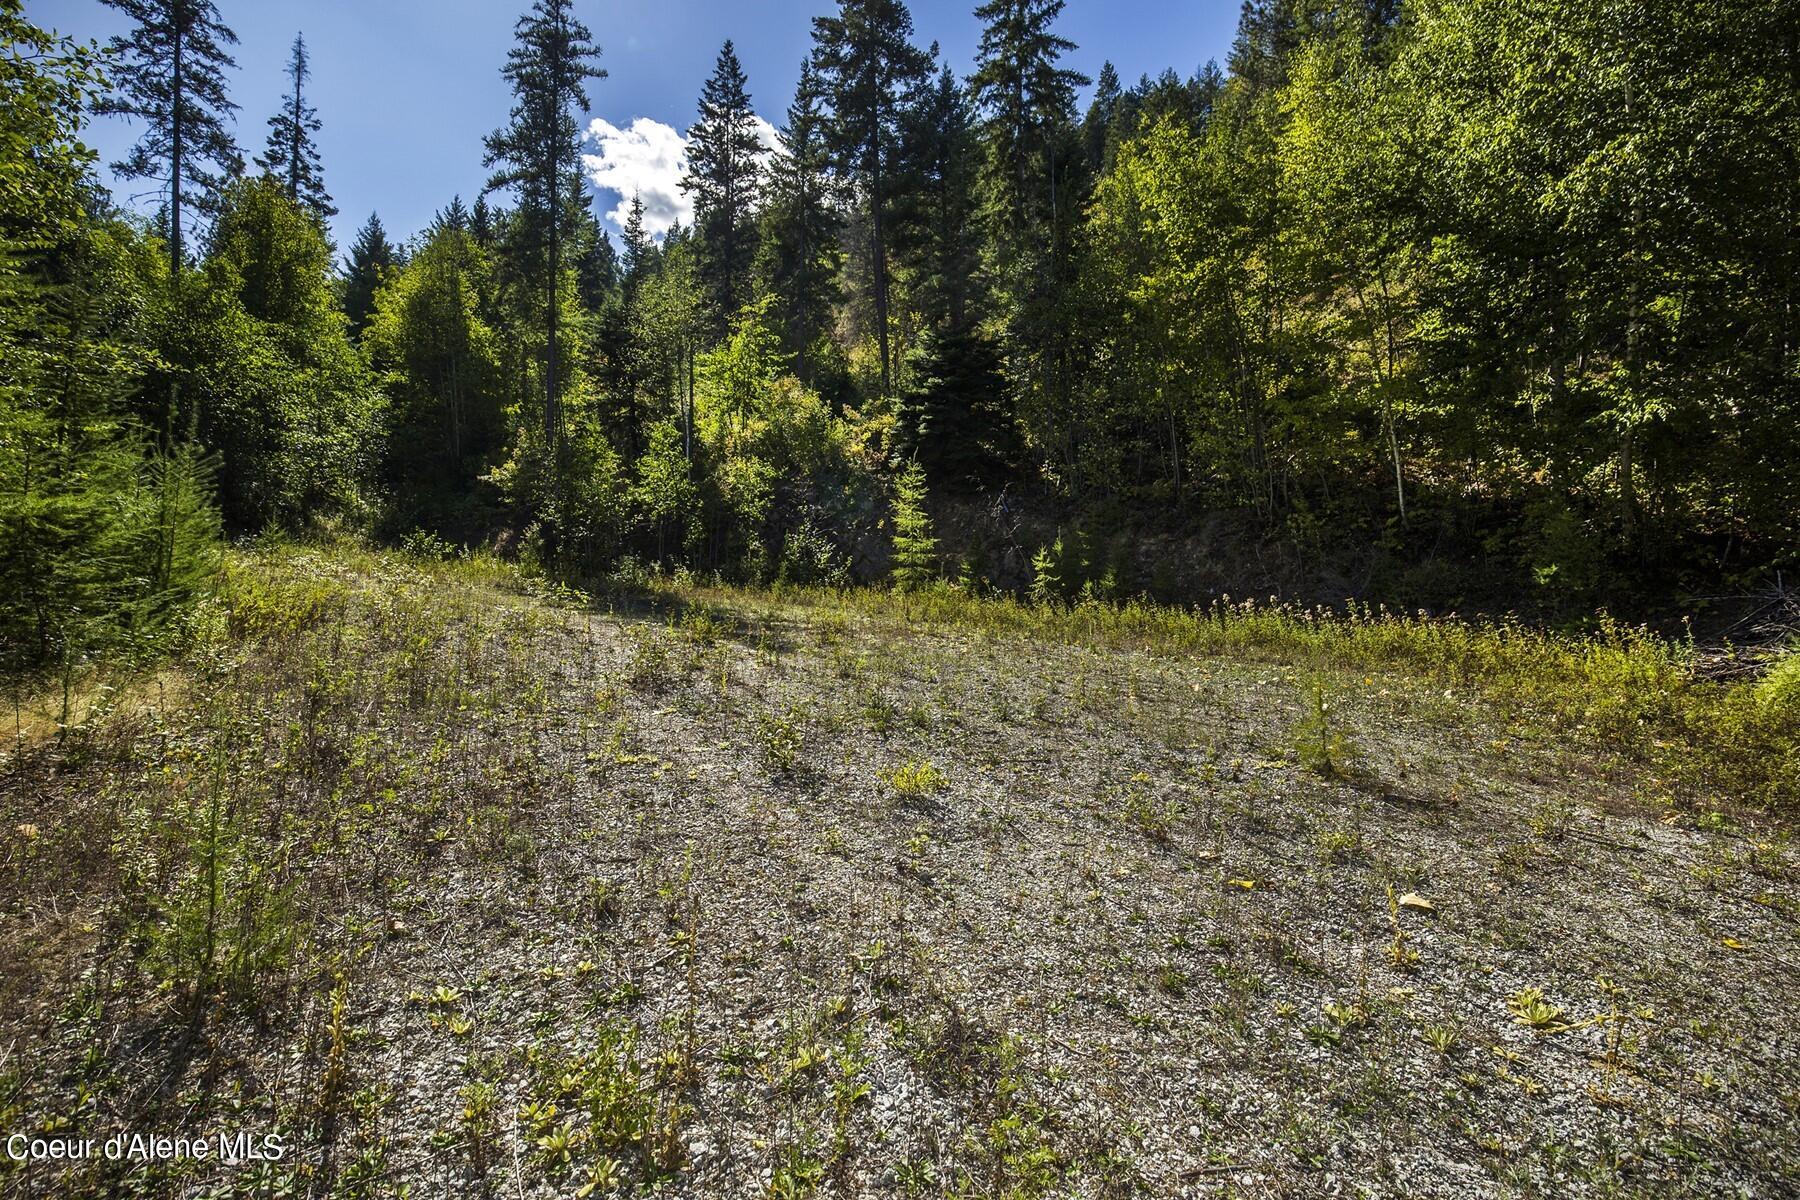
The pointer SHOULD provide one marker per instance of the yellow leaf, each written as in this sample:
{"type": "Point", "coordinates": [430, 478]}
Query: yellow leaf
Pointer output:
{"type": "Point", "coordinates": [1731, 943]}
{"type": "Point", "coordinates": [1246, 884]}
{"type": "Point", "coordinates": [1414, 900]}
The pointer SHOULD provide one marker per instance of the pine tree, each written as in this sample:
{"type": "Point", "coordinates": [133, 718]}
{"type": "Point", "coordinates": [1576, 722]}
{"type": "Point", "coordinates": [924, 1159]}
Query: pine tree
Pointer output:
{"type": "Point", "coordinates": [800, 247]}
{"type": "Point", "coordinates": [455, 215]}
{"type": "Point", "coordinates": [101, 538]}
{"type": "Point", "coordinates": [1207, 87]}
{"type": "Point", "coordinates": [640, 250]}
{"type": "Point", "coordinates": [170, 74]}
{"type": "Point", "coordinates": [370, 257]}
{"type": "Point", "coordinates": [291, 155]}
{"type": "Point", "coordinates": [538, 156]}
{"type": "Point", "coordinates": [953, 418]}
{"type": "Point", "coordinates": [1268, 32]}
{"type": "Point", "coordinates": [723, 178]}
{"type": "Point", "coordinates": [596, 265]}
{"type": "Point", "coordinates": [1028, 102]}
{"type": "Point", "coordinates": [941, 236]}
{"type": "Point", "coordinates": [482, 219]}
{"type": "Point", "coordinates": [1096, 127]}
{"type": "Point", "coordinates": [1031, 191]}
{"type": "Point", "coordinates": [914, 558]}
{"type": "Point", "coordinates": [871, 73]}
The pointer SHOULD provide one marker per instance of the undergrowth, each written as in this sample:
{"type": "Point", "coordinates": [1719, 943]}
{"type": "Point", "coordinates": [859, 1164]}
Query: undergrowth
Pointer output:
{"type": "Point", "coordinates": [1622, 688]}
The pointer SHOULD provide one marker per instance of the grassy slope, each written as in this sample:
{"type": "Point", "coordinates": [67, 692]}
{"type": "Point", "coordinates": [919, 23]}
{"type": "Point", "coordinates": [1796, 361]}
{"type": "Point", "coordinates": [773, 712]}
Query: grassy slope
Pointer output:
{"type": "Point", "coordinates": [461, 887]}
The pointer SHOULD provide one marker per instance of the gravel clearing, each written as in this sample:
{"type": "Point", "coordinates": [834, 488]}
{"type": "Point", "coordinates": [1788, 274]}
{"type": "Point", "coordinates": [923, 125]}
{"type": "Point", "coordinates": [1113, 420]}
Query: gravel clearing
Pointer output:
{"type": "Point", "coordinates": [523, 897]}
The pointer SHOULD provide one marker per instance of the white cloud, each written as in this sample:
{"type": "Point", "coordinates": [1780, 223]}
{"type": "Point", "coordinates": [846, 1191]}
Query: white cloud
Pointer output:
{"type": "Point", "coordinates": [647, 159]}
{"type": "Point", "coordinates": [768, 136]}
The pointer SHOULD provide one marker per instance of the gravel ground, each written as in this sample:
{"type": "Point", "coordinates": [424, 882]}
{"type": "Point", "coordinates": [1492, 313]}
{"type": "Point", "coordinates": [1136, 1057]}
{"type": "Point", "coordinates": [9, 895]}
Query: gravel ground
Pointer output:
{"type": "Point", "coordinates": [518, 896]}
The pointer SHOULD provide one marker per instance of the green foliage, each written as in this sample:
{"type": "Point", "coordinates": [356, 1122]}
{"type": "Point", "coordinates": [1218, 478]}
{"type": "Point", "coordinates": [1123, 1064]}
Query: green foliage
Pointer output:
{"type": "Point", "coordinates": [536, 155]}
{"type": "Point", "coordinates": [869, 71]}
{"type": "Point", "coordinates": [735, 400]}
{"type": "Point", "coordinates": [1078, 566]}
{"type": "Point", "coordinates": [1779, 690]}
{"type": "Point", "coordinates": [46, 82]}
{"type": "Point", "coordinates": [782, 738]}
{"type": "Point", "coordinates": [227, 920]}
{"type": "Point", "coordinates": [914, 561]}
{"type": "Point", "coordinates": [722, 177]}
{"type": "Point", "coordinates": [439, 360]}
{"type": "Point", "coordinates": [808, 557]}
{"type": "Point", "coordinates": [798, 260]}
{"type": "Point", "coordinates": [106, 539]}
{"type": "Point", "coordinates": [1439, 259]}
{"type": "Point", "coordinates": [371, 257]}
{"type": "Point", "coordinates": [271, 382]}
{"type": "Point", "coordinates": [915, 779]}
{"type": "Point", "coordinates": [664, 492]}
{"type": "Point", "coordinates": [953, 417]}
{"type": "Point", "coordinates": [103, 539]}
{"type": "Point", "coordinates": [591, 505]}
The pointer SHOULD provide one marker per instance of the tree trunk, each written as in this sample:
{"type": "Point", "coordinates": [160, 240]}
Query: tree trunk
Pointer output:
{"type": "Point", "coordinates": [879, 248]}
{"type": "Point", "coordinates": [294, 145]}
{"type": "Point", "coordinates": [552, 413]}
{"type": "Point", "coordinates": [175, 164]}
{"type": "Point", "coordinates": [175, 148]}
{"type": "Point", "coordinates": [1633, 333]}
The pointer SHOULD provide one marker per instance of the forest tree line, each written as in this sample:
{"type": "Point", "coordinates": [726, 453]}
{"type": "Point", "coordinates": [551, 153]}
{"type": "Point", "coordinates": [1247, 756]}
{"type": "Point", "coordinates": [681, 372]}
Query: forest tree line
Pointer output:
{"type": "Point", "coordinates": [1505, 282]}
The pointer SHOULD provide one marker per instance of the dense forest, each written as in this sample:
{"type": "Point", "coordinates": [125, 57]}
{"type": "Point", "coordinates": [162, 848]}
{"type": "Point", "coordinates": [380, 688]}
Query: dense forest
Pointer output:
{"type": "Point", "coordinates": [1497, 296]}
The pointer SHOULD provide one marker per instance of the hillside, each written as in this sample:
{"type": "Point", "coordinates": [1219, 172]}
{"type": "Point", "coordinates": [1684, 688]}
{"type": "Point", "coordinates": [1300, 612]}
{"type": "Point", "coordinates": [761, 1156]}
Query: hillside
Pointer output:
{"type": "Point", "coordinates": [464, 885]}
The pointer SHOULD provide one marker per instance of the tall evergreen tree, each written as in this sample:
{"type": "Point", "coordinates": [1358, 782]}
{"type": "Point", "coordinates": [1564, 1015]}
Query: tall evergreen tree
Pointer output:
{"type": "Point", "coordinates": [953, 418]}
{"type": "Point", "coordinates": [538, 156]}
{"type": "Point", "coordinates": [1268, 33]}
{"type": "Point", "coordinates": [596, 264]}
{"type": "Point", "coordinates": [722, 177]}
{"type": "Point", "coordinates": [481, 223]}
{"type": "Point", "coordinates": [1028, 102]}
{"type": "Point", "coordinates": [1096, 127]}
{"type": "Point", "coordinates": [371, 255]}
{"type": "Point", "coordinates": [942, 237]}
{"type": "Point", "coordinates": [800, 240]}
{"type": "Point", "coordinates": [170, 74]}
{"type": "Point", "coordinates": [1031, 190]}
{"type": "Point", "coordinates": [640, 250]}
{"type": "Point", "coordinates": [454, 216]}
{"type": "Point", "coordinates": [291, 155]}
{"type": "Point", "coordinates": [872, 73]}
{"type": "Point", "coordinates": [1208, 87]}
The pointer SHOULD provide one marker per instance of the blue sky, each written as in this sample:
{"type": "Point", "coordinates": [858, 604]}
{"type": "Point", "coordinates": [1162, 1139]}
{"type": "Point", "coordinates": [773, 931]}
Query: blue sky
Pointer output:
{"type": "Point", "coordinates": [408, 88]}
